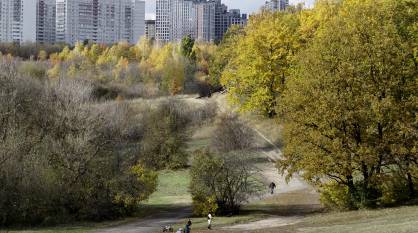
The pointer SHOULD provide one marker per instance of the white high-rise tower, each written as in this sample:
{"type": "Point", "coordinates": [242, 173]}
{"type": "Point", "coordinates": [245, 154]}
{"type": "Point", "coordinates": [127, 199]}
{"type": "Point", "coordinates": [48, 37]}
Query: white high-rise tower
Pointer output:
{"type": "Point", "coordinates": [100, 21]}
{"type": "Point", "coordinates": [18, 21]}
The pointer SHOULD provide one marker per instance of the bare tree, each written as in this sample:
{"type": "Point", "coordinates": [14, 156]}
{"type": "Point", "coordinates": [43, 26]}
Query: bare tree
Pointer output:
{"type": "Point", "coordinates": [231, 134]}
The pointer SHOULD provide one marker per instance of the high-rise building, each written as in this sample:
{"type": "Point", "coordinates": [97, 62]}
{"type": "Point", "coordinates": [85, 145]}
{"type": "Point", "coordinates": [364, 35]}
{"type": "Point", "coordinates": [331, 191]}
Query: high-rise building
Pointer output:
{"type": "Point", "coordinates": [183, 16]}
{"type": "Point", "coordinates": [138, 20]}
{"type": "Point", "coordinates": [206, 21]}
{"type": "Point", "coordinates": [150, 29]}
{"type": "Point", "coordinates": [45, 21]}
{"type": "Point", "coordinates": [162, 22]}
{"type": "Point", "coordinates": [276, 5]}
{"type": "Point", "coordinates": [99, 21]}
{"type": "Point", "coordinates": [18, 21]}
{"type": "Point", "coordinates": [227, 19]}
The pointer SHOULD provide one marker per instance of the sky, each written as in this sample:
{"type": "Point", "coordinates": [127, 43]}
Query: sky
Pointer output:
{"type": "Point", "coordinates": [246, 6]}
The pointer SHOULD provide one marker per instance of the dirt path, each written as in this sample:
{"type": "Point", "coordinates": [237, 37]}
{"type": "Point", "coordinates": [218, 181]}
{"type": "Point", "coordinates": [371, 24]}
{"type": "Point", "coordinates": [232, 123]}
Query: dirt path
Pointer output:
{"type": "Point", "coordinates": [266, 223]}
{"type": "Point", "coordinates": [297, 189]}
{"type": "Point", "coordinates": [150, 224]}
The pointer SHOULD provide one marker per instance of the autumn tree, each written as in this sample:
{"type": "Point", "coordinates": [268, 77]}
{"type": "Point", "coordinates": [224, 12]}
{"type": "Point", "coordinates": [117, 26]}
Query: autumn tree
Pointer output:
{"type": "Point", "coordinates": [256, 74]}
{"type": "Point", "coordinates": [350, 108]}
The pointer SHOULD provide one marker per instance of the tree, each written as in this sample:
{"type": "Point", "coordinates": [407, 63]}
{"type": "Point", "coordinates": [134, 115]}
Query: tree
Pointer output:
{"type": "Point", "coordinates": [73, 153]}
{"type": "Point", "coordinates": [224, 53]}
{"type": "Point", "coordinates": [187, 44]}
{"type": "Point", "coordinates": [231, 134]}
{"type": "Point", "coordinates": [224, 178]}
{"type": "Point", "coordinates": [256, 75]}
{"type": "Point", "coordinates": [165, 137]}
{"type": "Point", "coordinates": [350, 108]}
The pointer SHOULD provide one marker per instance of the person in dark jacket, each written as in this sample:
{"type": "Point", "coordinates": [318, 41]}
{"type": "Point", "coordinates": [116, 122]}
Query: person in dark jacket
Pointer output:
{"type": "Point", "coordinates": [188, 226]}
{"type": "Point", "coordinates": [272, 186]}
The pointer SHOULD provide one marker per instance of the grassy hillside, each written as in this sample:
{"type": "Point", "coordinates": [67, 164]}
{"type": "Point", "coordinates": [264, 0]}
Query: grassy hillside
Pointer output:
{"type": "Point", "coordinates": [173, 189]}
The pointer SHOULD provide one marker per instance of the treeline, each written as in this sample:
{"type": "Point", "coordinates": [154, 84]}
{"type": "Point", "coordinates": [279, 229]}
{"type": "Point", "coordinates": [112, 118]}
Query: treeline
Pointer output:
{"type": "Point", "coordinates": [122, 70]}
{"type": "Point", "coordinates": [30, 50]}
{"type": "Point", "coordinates": [66, 157]}
{"type": "Point", "coordinates": [342, 78]}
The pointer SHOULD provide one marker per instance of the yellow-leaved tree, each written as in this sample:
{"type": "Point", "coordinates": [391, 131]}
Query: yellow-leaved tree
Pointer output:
{"type": "Point", "coordinates": [256, 74]}
{"type": "Point", "coordinates": [350, 108]}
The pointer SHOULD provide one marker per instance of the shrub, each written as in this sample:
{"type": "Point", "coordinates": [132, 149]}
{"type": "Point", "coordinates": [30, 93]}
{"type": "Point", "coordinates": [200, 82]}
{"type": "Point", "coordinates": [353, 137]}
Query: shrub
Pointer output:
{"type": "Point", "coordinates": [227, 178]}
{"type": "Point", "coordinates": [61, 156]}
{"type": "Point", "coordinates": [231, 134]}
{"type": "Point", "coordinates": [335, 196]}
{"type": "Point", "coordinates": [165, 136]}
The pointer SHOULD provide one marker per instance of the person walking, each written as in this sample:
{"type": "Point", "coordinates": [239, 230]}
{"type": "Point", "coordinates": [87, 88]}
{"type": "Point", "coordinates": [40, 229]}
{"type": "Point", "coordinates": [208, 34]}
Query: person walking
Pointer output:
{"type": "Point", "coordinates": [210, 221]}
{"type": "Point", "coordinates": [188, 226]}
{"type": "Point", "coordinates": [272, 186]}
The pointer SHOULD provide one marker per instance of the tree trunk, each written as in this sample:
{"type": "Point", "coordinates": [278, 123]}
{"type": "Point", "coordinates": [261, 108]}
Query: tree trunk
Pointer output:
{"type": "Point", "coordinates": [411, 187]}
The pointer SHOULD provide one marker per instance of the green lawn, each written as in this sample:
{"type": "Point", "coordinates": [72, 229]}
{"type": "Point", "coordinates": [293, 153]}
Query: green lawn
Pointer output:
{"type": "Point", "coordinates": [173, 189]}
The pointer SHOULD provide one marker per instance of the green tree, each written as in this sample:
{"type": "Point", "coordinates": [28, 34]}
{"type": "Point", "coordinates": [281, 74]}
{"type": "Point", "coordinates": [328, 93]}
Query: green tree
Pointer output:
{"type": "Point", "coordinates": [164, 140]}
{"type": "Point", "coordinates": [187, 44]}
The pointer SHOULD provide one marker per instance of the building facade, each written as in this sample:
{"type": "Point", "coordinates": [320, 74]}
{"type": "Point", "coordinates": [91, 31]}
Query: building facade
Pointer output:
{"type": "Point", "coordinates": [162, 22]}
{"type": "Point", "coordinates": [99, 21]}
{"type": "Point", "coordinates": [204, 20]}
{"type": "Point", "coordinates": [138, 21]}
{"type": "Point", "coordinates": [45, 21]}
{"type": "Point", "coordinates": [18, 21]}
{"type": "Point", "coordinates": [276, 5]}
{"type": "Point", "coordinates": [150, 29]}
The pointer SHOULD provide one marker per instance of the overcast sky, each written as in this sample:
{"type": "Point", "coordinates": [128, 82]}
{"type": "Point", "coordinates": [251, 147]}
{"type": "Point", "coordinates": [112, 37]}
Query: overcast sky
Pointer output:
{"type": "Point", "coordinates": [246, 6]}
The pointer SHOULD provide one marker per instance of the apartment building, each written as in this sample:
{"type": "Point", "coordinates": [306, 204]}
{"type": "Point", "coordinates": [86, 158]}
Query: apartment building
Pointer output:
{"type": "Point", "coordinates": [150, 29]}
{"type": "Point", "coordinates": [276, 5]}
{"type": "Point", "coordinates": [45, 21]}
{"type": "Point", "coordinates": [163, 20]}
{"type": "Point", "coordinates": [204, 20]}
{"type": "Point", "coordinates": [18, 21]}
{"type": "Point", "coordinates": [99, 21]}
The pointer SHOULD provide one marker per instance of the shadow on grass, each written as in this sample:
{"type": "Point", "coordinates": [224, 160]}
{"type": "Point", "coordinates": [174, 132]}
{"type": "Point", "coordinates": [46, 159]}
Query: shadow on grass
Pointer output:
{"type": "Point", "coordinates": [150, 211]}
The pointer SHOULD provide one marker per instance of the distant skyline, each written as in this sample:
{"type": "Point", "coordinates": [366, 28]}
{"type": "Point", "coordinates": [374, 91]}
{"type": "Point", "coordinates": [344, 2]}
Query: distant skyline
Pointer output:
{"type": "Point", "coordinates": [246, 6]}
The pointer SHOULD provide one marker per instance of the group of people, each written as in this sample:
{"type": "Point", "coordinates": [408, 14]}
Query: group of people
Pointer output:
{"type": "Point", "coordinates": [187, 228]}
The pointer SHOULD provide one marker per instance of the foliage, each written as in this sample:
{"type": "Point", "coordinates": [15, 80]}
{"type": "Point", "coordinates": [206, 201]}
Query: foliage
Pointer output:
{"type": "Point", "coordinates": [231, 135]}
{"type": "Point", "coordinates": [227, 178]}
{"type": "Point", "coordinates": [165, 137]}
{"type": "Point", "coordinates": [67, 164]}
{"type": "Point", "coordinates": [350, 108]}
{"type": "Point", "coordinates": [29, 50]}
{"type": "Point", "coordinates": [255, 76]}
{"type": "Point", "coordinates": [224, 53]}
{"type": "Point", "coordinates": [203, 205]}
{"type": "Point", "coordinates": [187, 44]}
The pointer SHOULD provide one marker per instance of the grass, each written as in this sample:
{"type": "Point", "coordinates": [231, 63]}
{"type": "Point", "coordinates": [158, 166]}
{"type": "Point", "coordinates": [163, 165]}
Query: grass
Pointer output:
{"type": "Point", "coordinates": [393, 220]}
{"type": "Point", "coordinates": [81, 227]}
{"type": "Point", "coordinates": [173, 189]}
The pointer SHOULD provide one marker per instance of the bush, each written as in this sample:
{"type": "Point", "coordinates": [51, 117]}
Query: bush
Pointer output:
{"type": "Point", "coordinates": [227, 178]}
{"type": "Point", "coordinates": [165, 136]}
{"type": "Point", "coordinates": [203, 205]}
{"type": "Point", "coordinates": [335, 196]}
{"type": "Point", "coordinates": [231, 134]}
{"type": "Point", "coordinates": [67, 164]}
